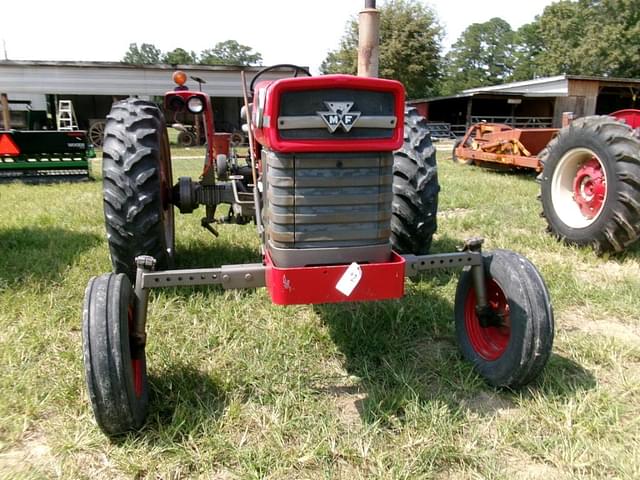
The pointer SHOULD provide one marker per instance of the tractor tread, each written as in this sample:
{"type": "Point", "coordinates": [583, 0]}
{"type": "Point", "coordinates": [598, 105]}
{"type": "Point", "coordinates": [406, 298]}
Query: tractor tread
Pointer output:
{"type": "Point", "coordinates": [415, 188]}
{"type": "Point", "coordinates": [132, 185]}
{"type": "Point", "coordinates": [619, 223]}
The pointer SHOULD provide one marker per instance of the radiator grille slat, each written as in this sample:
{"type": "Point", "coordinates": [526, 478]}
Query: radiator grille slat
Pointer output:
{"type": "Point", "coordinates": [328, 201]}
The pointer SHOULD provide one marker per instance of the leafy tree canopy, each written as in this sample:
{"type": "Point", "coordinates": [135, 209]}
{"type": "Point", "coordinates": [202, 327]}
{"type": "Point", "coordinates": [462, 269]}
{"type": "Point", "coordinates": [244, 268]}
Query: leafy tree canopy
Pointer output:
{"type": "Point", "coordinates": [483, 55]}
{"type": "Point", "coordinates": [146, 53]}
{"type": "Point", "coordinates": [179, 56]}
{"type": "Point", "coordinates": [588, 37]}
{"type": "Point", "coordinates": [230, 52]}
{"type": "Point", "coordinates": [410, 39]}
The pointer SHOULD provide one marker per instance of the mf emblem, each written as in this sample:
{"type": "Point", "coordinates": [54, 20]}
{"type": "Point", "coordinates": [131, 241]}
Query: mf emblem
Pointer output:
{"type": "Point", "coordinates": [339, 115]}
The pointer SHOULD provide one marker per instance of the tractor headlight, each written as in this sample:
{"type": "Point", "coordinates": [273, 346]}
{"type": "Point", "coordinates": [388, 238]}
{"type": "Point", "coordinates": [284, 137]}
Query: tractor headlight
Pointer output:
{"type": "Point", "coordinates": [195, 105]}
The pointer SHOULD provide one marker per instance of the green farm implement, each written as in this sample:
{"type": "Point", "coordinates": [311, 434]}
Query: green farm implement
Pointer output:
{"type": "Point", "coordinates": [42, 155]}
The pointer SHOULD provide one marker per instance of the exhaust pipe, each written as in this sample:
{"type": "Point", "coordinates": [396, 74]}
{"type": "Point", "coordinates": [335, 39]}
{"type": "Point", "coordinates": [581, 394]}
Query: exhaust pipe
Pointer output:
{"type": "Point", "coordinates": [369, 40]}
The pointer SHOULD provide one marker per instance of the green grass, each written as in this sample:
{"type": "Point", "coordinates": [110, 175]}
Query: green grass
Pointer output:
{"type": "Point", "coordinates": [245, 389]}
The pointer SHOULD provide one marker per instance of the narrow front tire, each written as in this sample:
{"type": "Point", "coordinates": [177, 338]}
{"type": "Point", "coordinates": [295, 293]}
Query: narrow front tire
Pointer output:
{"type": "Point", "coordinates": [115, 365]}
{"type": "Point", "coordinates": [512, 350]}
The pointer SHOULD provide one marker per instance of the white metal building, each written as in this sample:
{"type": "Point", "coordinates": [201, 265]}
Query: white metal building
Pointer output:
{"type": "Point", "coordinates": [93, 86]}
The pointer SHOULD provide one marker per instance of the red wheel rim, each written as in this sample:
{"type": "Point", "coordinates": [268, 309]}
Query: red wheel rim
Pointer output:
{"type": "Point", "coordinates": [136, 363]}
{"type": "Point", "coordinates": [488, 342]}
{"type": "Point", "coordinates": [590, 188]}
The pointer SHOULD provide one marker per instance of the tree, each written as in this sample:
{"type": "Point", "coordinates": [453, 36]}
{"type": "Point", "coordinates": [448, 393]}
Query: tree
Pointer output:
{"type": "Point", "coordinates": [482, 55]}
{"type": "Point", "coordinates": [585, 37]}
{"type": "Point", "coordinates": [528, 45]}
{"type": "Point", "coordinates": [179, 56]}
{"type": "Point", "coordinates": [147, 53]}
{"type": "Point", "coordinates": [410, 38]}
{"type": "Point", "coordinates": [230, 52]}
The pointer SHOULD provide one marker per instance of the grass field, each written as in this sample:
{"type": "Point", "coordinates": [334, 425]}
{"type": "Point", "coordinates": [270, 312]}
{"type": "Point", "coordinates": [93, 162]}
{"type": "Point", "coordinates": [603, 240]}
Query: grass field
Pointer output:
{"type": "Point", "coordinates": [244, 389]}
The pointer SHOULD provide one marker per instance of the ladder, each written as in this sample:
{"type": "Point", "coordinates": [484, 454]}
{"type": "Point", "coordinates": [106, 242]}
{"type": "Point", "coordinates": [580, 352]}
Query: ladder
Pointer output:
{"type": "Point", "coordinates": [66, 117]}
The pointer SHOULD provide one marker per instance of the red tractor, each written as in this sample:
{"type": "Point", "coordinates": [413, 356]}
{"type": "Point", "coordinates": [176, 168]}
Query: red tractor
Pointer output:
{"type": "Point", "coordinates": [341, 183]}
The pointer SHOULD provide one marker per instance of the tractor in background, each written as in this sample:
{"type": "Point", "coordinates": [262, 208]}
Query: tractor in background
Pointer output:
{"type": "Point", "coordinates": [589, 171]}
{"type": "Point", "coordinates": [341, 184]}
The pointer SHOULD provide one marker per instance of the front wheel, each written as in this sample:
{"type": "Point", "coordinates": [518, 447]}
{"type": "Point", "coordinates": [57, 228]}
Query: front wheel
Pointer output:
{"type": "Point", "coordinates": [511, 350]}
{"type": "Point", "coordinates": [115, 365]}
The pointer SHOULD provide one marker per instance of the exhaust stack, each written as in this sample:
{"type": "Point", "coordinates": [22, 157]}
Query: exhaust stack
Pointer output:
{"type": "Point", "coordinates": [369, 40]}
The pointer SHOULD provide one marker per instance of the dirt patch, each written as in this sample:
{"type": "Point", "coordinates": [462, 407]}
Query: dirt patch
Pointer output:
{"type": "Point", "coordinates": [586, 322]}
{"type": "Point", "coordinates": [454, 212]}
{"type": "Point", "coordinates": [608, 272]}
{"type": "Point", "coordinates": [523, 467]}
{"type": "Point", "coordinates": [32, 454]}
{"type": "Point", "coordinates": [490, 403]}
{"type": "Point", "coordinates": [349, 401]}
{"type": "Point", "coordinates": [537, 471]}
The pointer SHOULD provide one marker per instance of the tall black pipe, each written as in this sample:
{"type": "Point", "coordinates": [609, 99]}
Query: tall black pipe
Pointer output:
{"type": "Point", "coordinates": [369, 3]}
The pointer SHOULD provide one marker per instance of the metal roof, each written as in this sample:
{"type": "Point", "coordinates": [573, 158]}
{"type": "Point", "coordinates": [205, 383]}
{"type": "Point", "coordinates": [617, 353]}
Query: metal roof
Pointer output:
{"type": "Point", "coordinates": [113, 78]}
{"type": "Point", "coordinates": [557, 86]}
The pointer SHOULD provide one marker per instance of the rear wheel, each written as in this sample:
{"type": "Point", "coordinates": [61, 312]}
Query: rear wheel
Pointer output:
{"type": "Point", "coordinates": [96, 133]}
{"type": "Point", "coordinates": [415, 188]}
{"type": "Point", "coordinates": [590, 185]}
{"type": "Point", "coordinates": [115, 365]}
{"type": "Point", "coordinates": [511, 349]}
{"type": "Point", "coordinates": [137, 186]}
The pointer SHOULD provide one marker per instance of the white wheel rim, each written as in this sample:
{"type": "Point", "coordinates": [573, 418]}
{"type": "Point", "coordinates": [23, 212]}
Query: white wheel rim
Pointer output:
{"type": "Point", "coordinates": [562, 188]}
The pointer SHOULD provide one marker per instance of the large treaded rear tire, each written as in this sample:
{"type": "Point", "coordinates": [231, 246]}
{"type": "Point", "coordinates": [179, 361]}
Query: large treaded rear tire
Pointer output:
{"type": "Point", "coordinates": [137, 186]}
{"type": "Point", "coordinates": [415, 188]}
{"type": "Point", "coordinates": [614, 220]}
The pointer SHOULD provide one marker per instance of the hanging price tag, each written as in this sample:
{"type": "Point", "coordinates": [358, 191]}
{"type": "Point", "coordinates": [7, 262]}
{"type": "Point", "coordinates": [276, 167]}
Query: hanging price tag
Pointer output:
{"type": "Point", "coordinates": [350, 279]}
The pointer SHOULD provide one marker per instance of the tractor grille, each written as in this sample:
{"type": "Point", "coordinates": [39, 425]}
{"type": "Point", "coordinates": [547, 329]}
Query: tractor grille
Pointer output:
{"type": "Point", "coordinates": [300, 116]}
{"type": "Point", "coordinates": [327, 208]}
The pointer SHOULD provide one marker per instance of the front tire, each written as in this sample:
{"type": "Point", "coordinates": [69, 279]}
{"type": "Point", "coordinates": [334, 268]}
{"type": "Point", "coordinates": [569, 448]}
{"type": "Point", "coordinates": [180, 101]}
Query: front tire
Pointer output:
{"type": "Point", "coordinates": [415, 188]}
{"type": "Point", "coordinates": [137, 186]}
{"type": "Point", "coordinates": [513, 351]}
{"type": "Point", "coordinates": [590, 185]}
{"type": "Point", "coordinates": [115, 367]}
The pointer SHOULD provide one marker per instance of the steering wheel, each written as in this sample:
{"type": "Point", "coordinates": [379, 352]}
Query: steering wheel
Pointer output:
{"type": "Point", "coordinates": [296, 69]}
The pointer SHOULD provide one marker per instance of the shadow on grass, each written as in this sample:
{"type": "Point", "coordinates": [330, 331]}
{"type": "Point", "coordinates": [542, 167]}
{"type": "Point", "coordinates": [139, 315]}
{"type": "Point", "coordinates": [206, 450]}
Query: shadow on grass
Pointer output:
{"type": "Point", "coordinates": [182, 400]}
{"type": "Point", "coordinates": [405, 352]}
{"type": "Point", "coordinates": [42, 253]}
{"type": "Point", "coordinates": [214, 253]}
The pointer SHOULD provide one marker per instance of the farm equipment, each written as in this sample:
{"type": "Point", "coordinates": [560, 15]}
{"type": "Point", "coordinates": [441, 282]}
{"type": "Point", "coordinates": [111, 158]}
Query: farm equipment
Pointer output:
{"type": "Point", "coordinates": [43, 155]}
{"type": "Point", "coordinates": [498, 145]}
{"type": "Point", "coordinates": [589, 173]}
{"type": "Point", "coordinates": [342, 185]}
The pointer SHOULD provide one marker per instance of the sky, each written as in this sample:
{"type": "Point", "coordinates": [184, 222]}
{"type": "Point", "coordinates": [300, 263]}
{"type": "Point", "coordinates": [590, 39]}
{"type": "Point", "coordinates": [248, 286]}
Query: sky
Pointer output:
{"type": "Point", "coordinates": [283, 31]}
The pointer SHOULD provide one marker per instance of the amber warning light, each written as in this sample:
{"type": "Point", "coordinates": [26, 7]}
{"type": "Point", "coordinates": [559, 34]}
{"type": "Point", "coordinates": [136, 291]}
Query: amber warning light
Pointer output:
{"type": "Point", "coordinates": [180, 78]}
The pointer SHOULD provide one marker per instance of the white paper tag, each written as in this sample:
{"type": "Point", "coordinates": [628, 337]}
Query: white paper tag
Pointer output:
{"type": "Point", "coordinates": [350, 279]}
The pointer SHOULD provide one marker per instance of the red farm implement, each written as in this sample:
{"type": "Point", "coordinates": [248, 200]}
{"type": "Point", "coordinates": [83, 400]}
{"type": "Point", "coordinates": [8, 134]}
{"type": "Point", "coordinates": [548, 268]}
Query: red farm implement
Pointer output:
{"type": "Point", "coordinates": [589, 173]}
{"type": "Point", "coordinates": [341, 183]}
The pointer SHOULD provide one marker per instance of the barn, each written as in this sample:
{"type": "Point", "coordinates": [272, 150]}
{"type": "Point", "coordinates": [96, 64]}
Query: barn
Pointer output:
{"type": "Point", "coordinates": [35, 89]}
{"type": "Point", "coordinates": [532, 103]}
